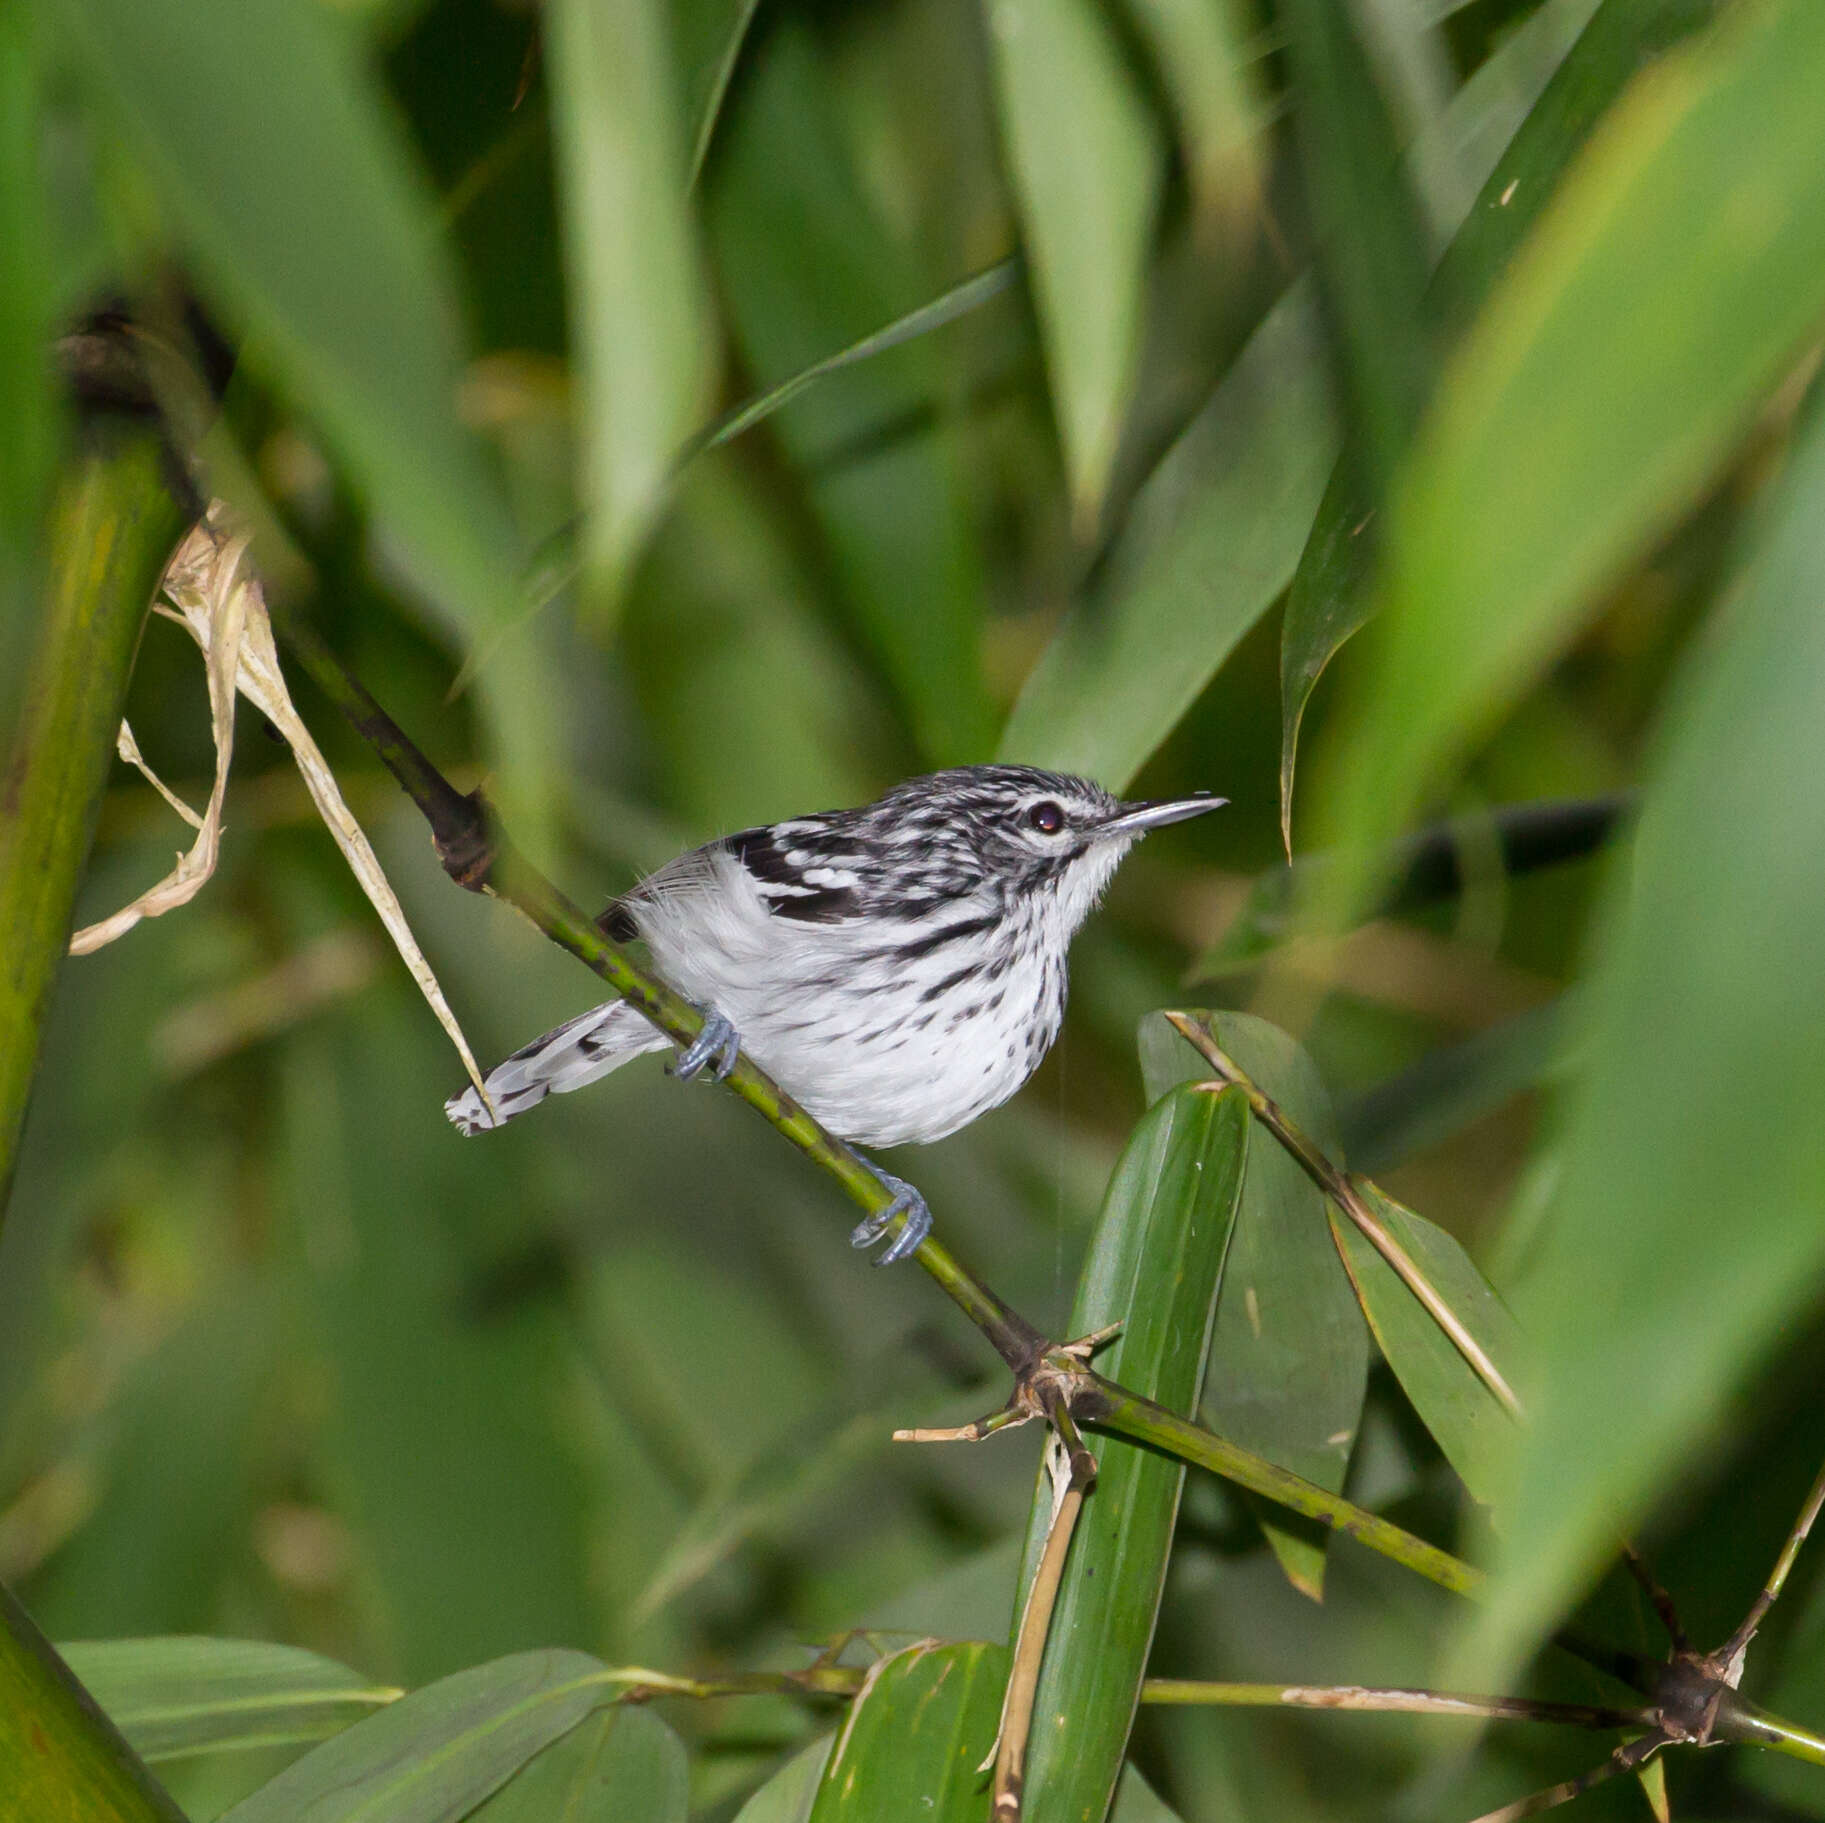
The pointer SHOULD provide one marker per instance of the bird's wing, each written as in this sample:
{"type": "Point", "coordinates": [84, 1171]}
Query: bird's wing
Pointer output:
{"type": "Point", "coordinates": [801, 871]}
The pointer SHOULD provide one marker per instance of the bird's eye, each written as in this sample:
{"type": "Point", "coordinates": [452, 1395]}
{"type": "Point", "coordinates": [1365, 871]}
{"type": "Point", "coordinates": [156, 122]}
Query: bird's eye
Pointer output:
{"type": "Point", "coordinates": [1045, 816]}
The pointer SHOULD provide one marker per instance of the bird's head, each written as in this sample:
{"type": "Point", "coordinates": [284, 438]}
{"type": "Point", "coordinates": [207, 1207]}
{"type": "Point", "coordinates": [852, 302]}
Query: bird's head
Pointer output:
{"type": "Point", "coordinates": [1046, 837]}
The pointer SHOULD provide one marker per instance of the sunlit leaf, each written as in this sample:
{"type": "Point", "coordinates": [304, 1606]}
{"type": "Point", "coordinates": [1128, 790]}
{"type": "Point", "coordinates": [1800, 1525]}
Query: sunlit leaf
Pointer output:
{"type": "Point", "coordinates": [1679, 267]}
{"type": "Point", "coordinates": [1684, 1229]}
{"type": "Point", "coordinates": [1084, 157]}
{"type": "Point", "coordinates": [1593, 57]}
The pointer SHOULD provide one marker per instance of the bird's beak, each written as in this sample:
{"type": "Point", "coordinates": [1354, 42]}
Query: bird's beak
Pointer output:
{"type": "Point", "coordinates": [1155, 813]}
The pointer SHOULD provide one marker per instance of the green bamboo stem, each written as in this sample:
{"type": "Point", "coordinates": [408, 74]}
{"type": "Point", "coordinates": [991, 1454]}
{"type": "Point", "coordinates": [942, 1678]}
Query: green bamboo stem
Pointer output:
{"type": "Point", "coordinates": [112, 527]}
{"type": "Point", "coordinates": [1110, 1407]}
{"type": "Point", "coordinates": [61, 1759]}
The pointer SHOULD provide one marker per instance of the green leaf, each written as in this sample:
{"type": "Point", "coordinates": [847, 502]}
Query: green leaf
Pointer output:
{"type": "Point", "coordinates": [787, 1797]}
{"type": "Point", "coordinates": [622, 1766]}
{"type": "Point", "coordinates": [1683, 1233]}
{"type": "Point", "coordinates": [709, 35]}
{"type": "Point", "coordinates": [1289, 1360]}
{"type": "Point", "coordinates": [1084, 159]}
{"type": "Point", "coordinates": [639, 322]}
{"type": "Point", "coordinates": [1373, 255]}
{"type": "Point", "coordinates": [916, 1737]}
{"type": "Point", "coordinates": [1456, 1407]}
{"type": "Point", "coordinates": [182, 1695]}
{"type": "Point", "coordinates": [957, 302]}
{"type": "Point", "coordinates": [319, 237]}
{"type": "Point", "coordinates": [1330, 599]}
{"type": "Point", "coordinates": [436, 1754]}
{"type": "Point", "coordinates": [1156, 1264]}
{"type": "Point", "coordinates": [1207, 549]}
{"type": "Point", "coordinates": [1201, 52]}
{"type": "Point", "coordinates": [1671, 281]}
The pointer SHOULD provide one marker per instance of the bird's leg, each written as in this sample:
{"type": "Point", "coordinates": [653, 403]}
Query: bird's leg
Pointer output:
{"type": "Point", "coordinates": [717, 1044]}
{"type": "Point", "coordinates": [907, 1202]}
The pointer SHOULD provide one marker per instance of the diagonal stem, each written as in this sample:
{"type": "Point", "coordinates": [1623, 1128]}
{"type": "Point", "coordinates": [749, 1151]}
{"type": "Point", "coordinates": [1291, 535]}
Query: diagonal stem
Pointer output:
{"type": "Point", "coordinates": [1738, 1642]}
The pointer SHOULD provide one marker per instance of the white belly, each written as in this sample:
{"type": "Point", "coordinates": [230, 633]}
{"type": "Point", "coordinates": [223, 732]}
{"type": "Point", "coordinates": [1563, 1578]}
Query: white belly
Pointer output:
{"type": "Point", "coordinates": [881, 1050]}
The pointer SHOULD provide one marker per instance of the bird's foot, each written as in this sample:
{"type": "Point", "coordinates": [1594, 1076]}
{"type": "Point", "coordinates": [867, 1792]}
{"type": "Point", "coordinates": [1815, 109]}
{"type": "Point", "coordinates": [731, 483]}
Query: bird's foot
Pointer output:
{"type": "Point", "coordinates": [718, 1045]}
{"type": "Point", "coordinates": [908, 1207]}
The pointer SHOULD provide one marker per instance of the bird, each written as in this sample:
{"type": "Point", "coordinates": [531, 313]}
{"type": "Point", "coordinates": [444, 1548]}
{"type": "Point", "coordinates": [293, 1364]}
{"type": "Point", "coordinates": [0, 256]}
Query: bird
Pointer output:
{"type": "Point", "coordinates": [898, 968]}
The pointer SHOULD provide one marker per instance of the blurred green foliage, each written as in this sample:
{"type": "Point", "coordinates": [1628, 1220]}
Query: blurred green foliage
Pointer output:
{"type": "Point", "coordinates": [1536, 284]}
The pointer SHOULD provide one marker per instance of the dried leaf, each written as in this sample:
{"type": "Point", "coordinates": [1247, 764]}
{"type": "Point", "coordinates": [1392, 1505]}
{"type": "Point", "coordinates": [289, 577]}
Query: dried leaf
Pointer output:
{"type": "Point", "coordinates": [208, 573]}
{"type": "Point", "coordinates": [225, 612]}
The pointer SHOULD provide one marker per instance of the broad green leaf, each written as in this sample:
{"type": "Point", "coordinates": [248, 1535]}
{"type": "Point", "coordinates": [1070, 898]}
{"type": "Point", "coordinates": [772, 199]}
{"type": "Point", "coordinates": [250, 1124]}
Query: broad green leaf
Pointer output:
{"type": "Point", "coordinates": [1289, 1359]}
{"type": "Point", "coordinates": [1456, 1407]}
{"type": "Point", "coordinates": [639, 321]}
{"type": "Point", "coordinates": [915, 1738]}
{"type": "Point", "coordinates": [1207, 549]}
{"type": "Point", "coordinates": [1684, 1230]}
{"type": "Point", "coordinates": [1200, 49]}
{"type": "Point", "coordinates": [1373, 253]}
{"type": "Point", "coordinates": [1670, 283]}
{"type": "Point", "coordinates": [807, 267]}
{"type": "Point", "coordinates": [184, 1695]}
{"type": "Point", "coordinates": [1517, 131]}
{"type": "Point", "coordinates": [292, 187]}
{"type": "Point", "coordinates": [436, 1754]}
{"type": "Point", "coordinates": [1156, 1265]}
{"type": "Point", "coordinates": [787, 1797]}
{"type": "Point", "coordinates": [621, 1766]}
{"type": "Point", "coordinates": [1084, 159]}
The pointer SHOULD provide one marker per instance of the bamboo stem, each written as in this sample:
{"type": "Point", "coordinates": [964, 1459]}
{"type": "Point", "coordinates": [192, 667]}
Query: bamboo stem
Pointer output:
{"type": "Point", "coordinates": [111, 529]}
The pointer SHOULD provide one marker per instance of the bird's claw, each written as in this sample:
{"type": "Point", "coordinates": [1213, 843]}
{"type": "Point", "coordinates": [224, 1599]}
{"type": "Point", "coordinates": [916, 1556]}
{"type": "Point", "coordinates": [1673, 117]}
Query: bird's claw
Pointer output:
{"type": "Point", "coordinates": [718, 1045]}
{"type": "Point", "coordinates": [907, 1203]}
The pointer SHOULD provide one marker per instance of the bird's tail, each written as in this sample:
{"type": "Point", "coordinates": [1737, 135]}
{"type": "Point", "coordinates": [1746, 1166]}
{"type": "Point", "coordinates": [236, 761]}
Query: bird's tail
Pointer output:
{"type": "Point", "coordinates": [568, 1056]}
